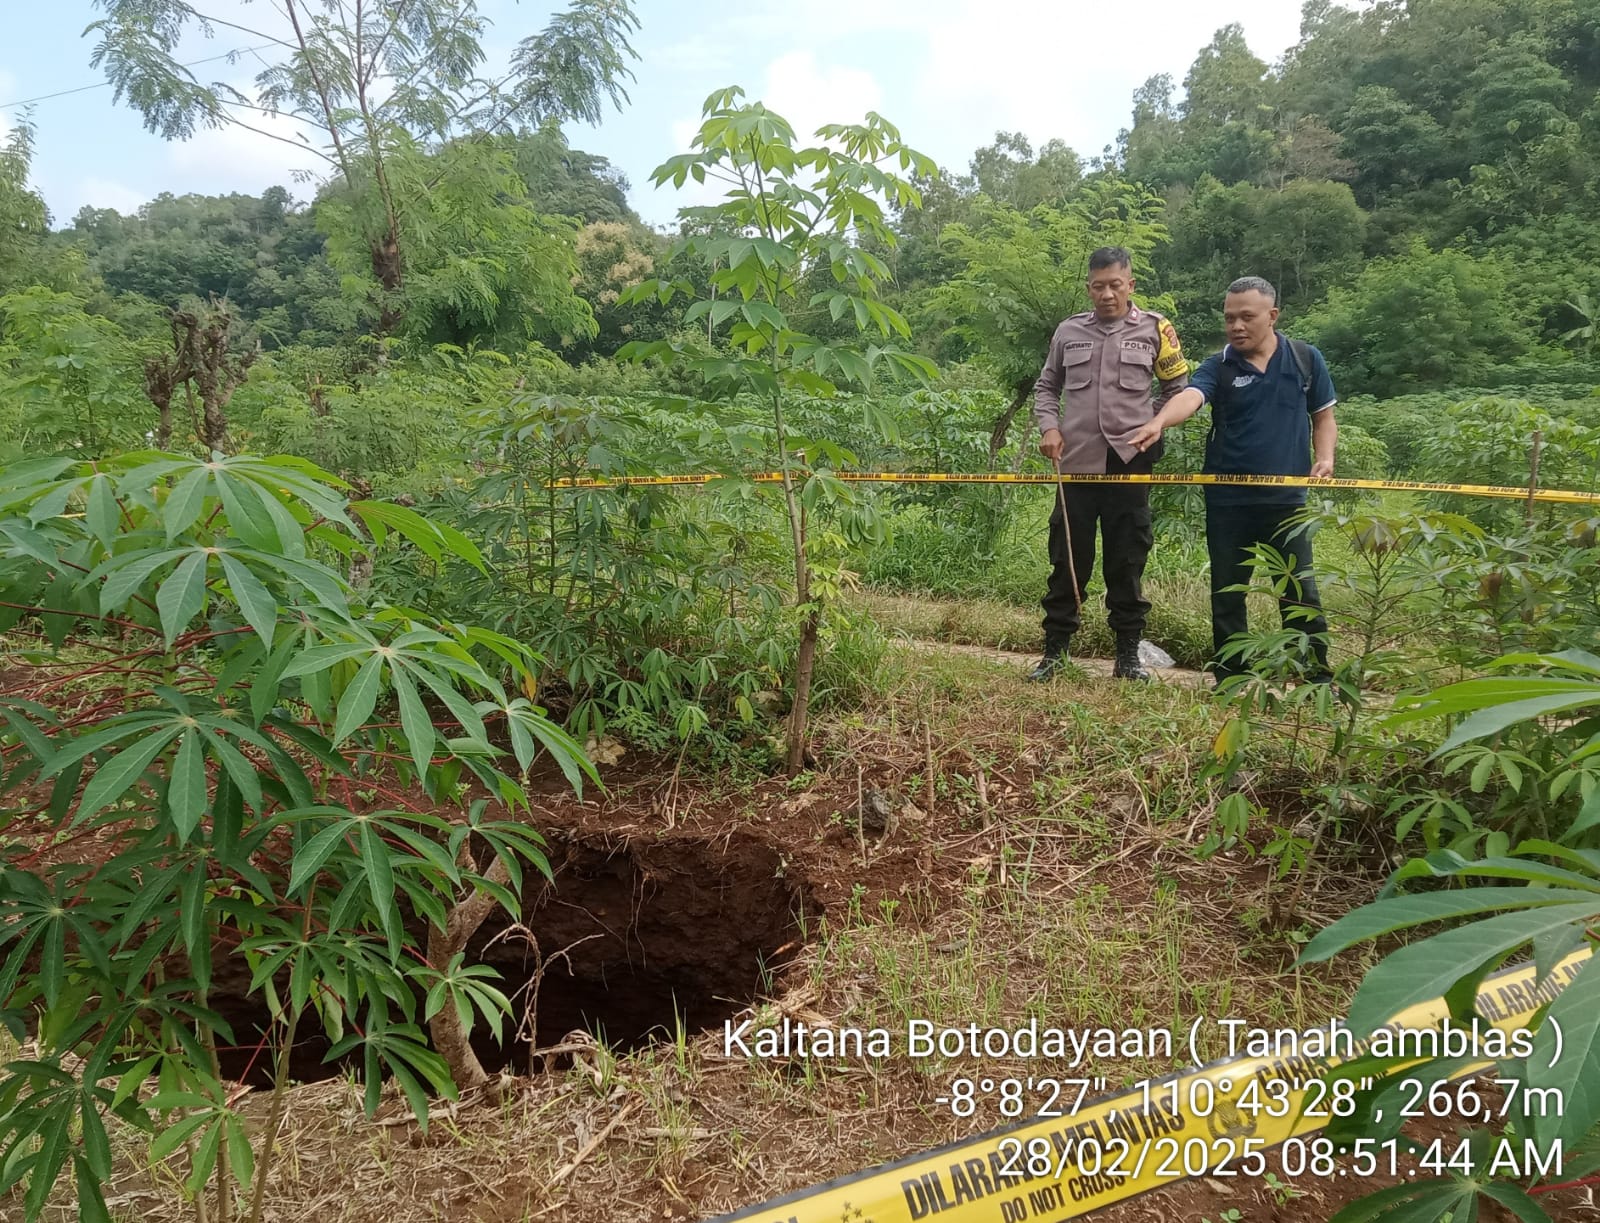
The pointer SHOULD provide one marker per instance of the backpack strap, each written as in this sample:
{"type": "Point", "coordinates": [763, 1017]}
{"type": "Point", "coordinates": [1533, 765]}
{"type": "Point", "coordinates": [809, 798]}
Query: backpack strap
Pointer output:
{"type": "Point", "coordinates": [1302, 360]}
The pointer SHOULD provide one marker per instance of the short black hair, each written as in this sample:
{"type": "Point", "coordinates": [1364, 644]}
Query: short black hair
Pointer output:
{"type": "Point", "coordinates": [1110, 257]}
{"type": "Point", "coordinates": [1246, 283]}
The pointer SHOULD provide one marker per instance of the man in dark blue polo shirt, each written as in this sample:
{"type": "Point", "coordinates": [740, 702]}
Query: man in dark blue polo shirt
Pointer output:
{"type": "Point", "coordinates": [1265, 420]}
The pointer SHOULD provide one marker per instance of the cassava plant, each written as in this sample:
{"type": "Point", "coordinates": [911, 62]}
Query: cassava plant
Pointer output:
{"type": "Point", "coordinates": [650, 609]}
{"type": "Point", "coordinates": [370, 91]}
{"type": "Point", "coordinates": [789, 216]}
{"type": "Point", "coordinates": [1381, 592]}
{"type": "Point", "coordinates": [1542, 894]}
{"type": "Point", "coordinates": [200, 696]}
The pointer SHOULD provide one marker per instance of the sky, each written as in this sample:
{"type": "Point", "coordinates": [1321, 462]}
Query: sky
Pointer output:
{"type": "Point", "coordinates": [948, 73]}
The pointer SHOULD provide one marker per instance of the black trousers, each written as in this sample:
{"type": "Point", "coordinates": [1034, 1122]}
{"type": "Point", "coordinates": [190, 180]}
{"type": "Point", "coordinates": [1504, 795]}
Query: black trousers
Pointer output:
{"type": "Point", "coordinates": [1121, 512]}
{"type": "Point", "coordinates": [1231, 530]}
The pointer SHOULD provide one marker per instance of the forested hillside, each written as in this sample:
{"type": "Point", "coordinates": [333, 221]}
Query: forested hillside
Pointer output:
{"type": "Point", "coordinates": [1418, 179]}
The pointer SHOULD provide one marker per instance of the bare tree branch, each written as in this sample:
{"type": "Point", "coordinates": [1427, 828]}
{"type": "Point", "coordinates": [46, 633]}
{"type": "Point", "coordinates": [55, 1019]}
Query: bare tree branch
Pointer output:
{"type": "Point", "coordinates": [322, 93]}
{"type": "Point", "coordinates": [296, 144]}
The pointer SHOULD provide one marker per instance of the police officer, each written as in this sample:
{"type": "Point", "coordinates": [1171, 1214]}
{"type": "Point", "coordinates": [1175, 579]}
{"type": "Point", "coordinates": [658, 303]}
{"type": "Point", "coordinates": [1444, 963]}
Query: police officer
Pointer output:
{"type": "Point", "coordinates": [1271, 414]}
{"type": "Point", "coordinates": [1092, 396]}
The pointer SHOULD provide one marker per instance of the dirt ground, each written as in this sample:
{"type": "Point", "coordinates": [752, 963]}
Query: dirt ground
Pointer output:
{"type": "Point", "coordinates": [971, 849]}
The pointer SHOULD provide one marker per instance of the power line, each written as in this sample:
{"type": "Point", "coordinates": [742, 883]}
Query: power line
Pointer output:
{"type": "Point", "coordinates": [45, 97]}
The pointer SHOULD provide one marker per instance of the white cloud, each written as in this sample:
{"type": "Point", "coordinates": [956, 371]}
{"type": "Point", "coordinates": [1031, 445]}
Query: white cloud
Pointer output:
{"type": "Point", "coordinates": [836, 20]}
{"type": "Point", "coordinates": [683, 134]}
{"type": "Point", "coordinates": [235, 159]}
{"type": "Point", "coordinates": [807, 95]}
{"type": "Point", "coordinates": [965, 69]}
{"type": "Point", "coordinates": [697, 57]}
{"type": "Point", "coordinates": [105, 193]}
{"type": "Point", "coordinates": [1065, 70]}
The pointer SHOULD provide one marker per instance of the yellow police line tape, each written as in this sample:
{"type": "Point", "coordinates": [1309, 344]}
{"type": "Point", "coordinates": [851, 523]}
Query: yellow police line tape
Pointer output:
{"type": "Point", "coordinates": [1220, 1121]}
{"type": "Point", "coordinates": [927, 477]}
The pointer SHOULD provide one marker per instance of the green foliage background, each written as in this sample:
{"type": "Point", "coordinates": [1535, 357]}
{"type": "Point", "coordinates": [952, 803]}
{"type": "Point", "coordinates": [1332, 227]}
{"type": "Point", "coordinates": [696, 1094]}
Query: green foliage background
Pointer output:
{"type": "Point", "coordinates": [467, 309]}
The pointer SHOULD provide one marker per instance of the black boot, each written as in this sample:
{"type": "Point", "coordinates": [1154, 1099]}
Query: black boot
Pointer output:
{"type": "Point", "coordinates": [1055, 658]}
{"type": "Point", "coordinates": [1127, 664]}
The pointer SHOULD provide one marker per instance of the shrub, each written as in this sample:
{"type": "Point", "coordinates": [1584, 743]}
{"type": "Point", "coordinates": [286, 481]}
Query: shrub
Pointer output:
{"type": "Point", "coordinates": [246, 688]}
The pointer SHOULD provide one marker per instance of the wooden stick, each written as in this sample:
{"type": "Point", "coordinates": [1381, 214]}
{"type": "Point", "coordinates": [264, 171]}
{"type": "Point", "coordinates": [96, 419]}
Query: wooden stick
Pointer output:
{"type": "Point", "coordinates": [861, 815]}
{"type": "Point", "coordinates": [1533, 475]}
{"type": "Point", "coordinates": [589, 1148]}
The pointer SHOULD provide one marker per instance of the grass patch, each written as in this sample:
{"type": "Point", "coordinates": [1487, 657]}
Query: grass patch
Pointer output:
{"type": "Point", "coordinates": [1179, 622]}
{"type": "Point", "coordinates": [1041, 865]}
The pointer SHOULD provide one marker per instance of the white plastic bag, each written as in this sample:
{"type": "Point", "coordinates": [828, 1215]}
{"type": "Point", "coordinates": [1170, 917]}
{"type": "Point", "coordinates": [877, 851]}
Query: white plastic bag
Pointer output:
{"type": "Point", "coordinates": [1152, 655]}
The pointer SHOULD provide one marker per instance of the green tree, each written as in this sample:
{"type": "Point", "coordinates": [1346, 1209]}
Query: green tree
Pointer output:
{"type": "Point", "coordinates": [1147, 146]}
{"type": "Point", "coordinates": [569, 182]}
{"type": "Point", "coordinates": [1323, 70]}
{"type": "Point", "coordinates": [789, 211]}
{"type": "Point", "coordinates": [381, 83]}
{"type": "Point", "coordinates": [1419, 320]}
{"type": "Point", "coordinates": [262, 254]}
{"type": "Point", "coordinates": [1390, 141]}
{"type": "Point", "coordinates": [69, 380]}
{"type": "Point", "coordinates": [917, 260]}
{"type": "Point", "coordinates": [1208, 226]}
{"type": "Point", "coordinates": [23, 218]}
{"type": "Point", "coordinates": [1227, 83]}
{"type": "Point", "coordinates": [1008, 172]}
{"type": "Point", "coordinates": [1306, 237]}
{"type": "Point", "coordinates": [1515, 97]}
{"type": "Point", "coordinates": [1226, 113]}
{"type": "Point", "coordinates": [481, 265]}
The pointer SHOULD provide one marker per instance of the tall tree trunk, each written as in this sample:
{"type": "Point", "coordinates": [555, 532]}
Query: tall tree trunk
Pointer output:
{"type": "Point", "coordinates": [805, 665]}
{"type": "Point", "coordinates": [386, 267]}
{"type": "Point", "coordinates": [214, 428]}
{"type": "Point", "coordinates": [1002, 424]}
{"type": "Point", "coordinates": [164, 423]}
{"type": "Point", "coordinates": [449, 1038]}
{"type": "Point", "coordinates": [161, 378]}
{"type": "Point", "coordinates": [806, 656]}
{"type": "Point", "coordinates": [385, 250]}
{"type": "Point", "coordinates": [387, 264]}
{"type": "Point", "coordinates": [204, 360]}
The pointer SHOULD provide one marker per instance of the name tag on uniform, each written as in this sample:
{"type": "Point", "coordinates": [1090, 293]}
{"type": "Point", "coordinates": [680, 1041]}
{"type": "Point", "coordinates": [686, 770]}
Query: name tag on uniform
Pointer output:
{"type": "Point", "coordinates": [1077, 345]}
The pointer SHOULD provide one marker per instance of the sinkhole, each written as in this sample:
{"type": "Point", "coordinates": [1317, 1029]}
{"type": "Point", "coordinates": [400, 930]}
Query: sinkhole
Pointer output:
{"type": "Point", "coordinates": [626, 943]}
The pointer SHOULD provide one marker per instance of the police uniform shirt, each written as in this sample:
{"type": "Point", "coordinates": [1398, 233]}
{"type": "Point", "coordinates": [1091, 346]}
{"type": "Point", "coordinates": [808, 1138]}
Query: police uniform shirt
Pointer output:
{"type": "Point", "coordinates": [1261, 422]}
{"type": "Point", "coordinates": [1096, 384]}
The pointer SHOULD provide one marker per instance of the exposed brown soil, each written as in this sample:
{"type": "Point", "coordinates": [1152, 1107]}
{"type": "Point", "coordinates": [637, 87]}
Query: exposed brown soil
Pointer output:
{"type": "Point", "coordinates": [1027, 875]}
{"type": "Point", "coordinates": [629, 939]}
{"type": "Point", "coordinates": [624, 942]}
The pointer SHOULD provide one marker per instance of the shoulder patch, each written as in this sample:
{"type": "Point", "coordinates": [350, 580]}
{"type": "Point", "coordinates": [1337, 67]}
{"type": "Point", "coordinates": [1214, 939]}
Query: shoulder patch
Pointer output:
{"type": "Point", "coordinates": [1170, 362]}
